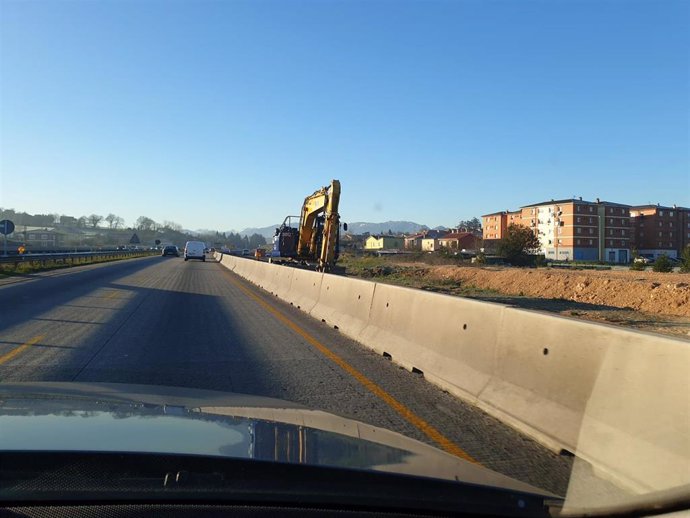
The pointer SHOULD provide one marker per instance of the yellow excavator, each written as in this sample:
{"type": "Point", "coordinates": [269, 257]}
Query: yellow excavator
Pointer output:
{"type": "Point", "coordinates": [315, 238]}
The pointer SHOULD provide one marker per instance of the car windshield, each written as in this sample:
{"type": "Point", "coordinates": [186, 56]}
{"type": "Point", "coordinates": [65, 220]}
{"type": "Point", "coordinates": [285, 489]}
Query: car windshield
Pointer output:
{"type": "Point", "coordinates": [464, 222]}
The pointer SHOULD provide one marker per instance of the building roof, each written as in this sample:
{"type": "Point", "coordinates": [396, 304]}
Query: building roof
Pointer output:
{"type": "Point", "coordinates": [652, 206]}
{"type": "Point", "coordinates": [457, 235]}
{"type": "Point", "coordinates": [575, 200]}
{"type": "Point", "coordinates": [495, 213]}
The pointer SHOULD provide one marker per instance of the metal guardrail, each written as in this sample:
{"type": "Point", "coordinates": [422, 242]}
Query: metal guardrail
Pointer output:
{"type": "Point", "coordinates": [73, 257]}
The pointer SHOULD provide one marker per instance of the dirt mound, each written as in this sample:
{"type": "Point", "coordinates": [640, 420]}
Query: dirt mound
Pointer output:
{"type": "Point", "coordinates": [657, 293]}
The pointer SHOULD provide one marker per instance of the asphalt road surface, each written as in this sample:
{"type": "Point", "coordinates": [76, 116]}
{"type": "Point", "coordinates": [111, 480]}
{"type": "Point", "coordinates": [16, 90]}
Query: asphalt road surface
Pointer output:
{"type": "Point", "coordinates": [194, 324]}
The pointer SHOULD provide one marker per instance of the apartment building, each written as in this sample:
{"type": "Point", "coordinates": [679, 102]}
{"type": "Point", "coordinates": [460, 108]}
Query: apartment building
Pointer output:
{"type": "Point", "coordinates": [571, 229]}
{"type": "Point", "coordinates": [494, 225]}
{"type": "Point", "coordinates": [660, 230]}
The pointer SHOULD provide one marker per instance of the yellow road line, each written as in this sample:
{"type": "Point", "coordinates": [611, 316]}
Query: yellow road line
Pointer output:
{"type": "Point", "coordinates": [396, 405]}
{"type": "Point", "coordinates": [14, 352]}
{"type": "Point", "coordinates": [112, 294]}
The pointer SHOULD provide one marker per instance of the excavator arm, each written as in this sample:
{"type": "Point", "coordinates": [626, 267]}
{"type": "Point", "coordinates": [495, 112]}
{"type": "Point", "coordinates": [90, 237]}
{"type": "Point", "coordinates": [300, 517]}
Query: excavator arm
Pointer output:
{"type": "Point", "coordinates": [318, 228]}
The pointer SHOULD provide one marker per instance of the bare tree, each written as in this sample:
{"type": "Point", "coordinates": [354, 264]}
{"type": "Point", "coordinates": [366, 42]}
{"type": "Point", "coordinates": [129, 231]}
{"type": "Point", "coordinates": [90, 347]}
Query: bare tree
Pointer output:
{"type": "Point", "coordinates": [95, 219]}
{"type": "Point", "coordinates": [144, 223]}
{"type": "Point", "coordinates": [171, 225]}
{"type": "Point", "coordinates": [111, 219]}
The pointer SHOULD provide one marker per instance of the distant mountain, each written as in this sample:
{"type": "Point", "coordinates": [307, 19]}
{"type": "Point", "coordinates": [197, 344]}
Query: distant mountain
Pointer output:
{"type": "Point", "coordinates": [267, 232]}
{"type": "Point", "coordinates": [397, 227]}
{"type": "Point", "coordinates": [357, 227]}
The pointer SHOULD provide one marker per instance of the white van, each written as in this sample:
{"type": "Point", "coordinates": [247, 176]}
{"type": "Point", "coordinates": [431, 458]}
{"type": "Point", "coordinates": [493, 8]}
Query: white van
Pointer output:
{"type": "Point", "coordinates": [194, 250]}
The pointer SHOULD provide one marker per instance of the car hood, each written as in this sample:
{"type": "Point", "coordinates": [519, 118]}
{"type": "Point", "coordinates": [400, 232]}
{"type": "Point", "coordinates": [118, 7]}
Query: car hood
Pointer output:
{"type": "Point", "coordinates": [88, 417]}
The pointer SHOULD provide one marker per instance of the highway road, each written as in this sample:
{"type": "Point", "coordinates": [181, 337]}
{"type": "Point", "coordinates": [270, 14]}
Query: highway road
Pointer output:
{"type": "Point", "coordinates": [192, 324]}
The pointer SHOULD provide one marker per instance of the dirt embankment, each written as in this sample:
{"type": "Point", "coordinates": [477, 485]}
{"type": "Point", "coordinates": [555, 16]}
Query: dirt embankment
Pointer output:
{"type": "Point", "coordinates": [656, 293]}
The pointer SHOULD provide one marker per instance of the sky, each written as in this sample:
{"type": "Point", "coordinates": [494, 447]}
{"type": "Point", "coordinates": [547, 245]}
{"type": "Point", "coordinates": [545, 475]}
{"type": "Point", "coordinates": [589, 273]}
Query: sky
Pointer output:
{"type": "Point", "coordinates": [226, 114]}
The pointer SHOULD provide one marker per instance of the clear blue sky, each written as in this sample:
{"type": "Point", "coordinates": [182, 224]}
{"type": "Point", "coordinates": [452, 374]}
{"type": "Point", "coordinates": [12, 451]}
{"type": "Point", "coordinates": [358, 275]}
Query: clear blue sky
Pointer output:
{"type": "Point", "coordinates": [226, 114]}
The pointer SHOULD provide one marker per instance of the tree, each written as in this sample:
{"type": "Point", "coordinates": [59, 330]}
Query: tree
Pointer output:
{"type": "Point", "coordinates": [470, 225]}
{"type": "Point", "coordinates": [256, 240]}
{"type": "Point", "coordinates": [81, 222]}
{"type": "Point", "coordinates": [685, 260]}
{"type": "Point", "coordinates": [520, 242]}
{"type": "Point", "coordinates": [144, 223]}
{"type": "Point", "coordinates": [114, 221]}
{"type": "Point", "coordinates": [94, 220]}
{"type": "Point", "coordinates": [171, 225]}
{"type": "Point", "coordinates": [662, 264]}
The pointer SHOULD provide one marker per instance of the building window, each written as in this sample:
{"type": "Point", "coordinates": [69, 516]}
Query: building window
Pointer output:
{"type": "Point", "coordinates": [610, 221]}
{"type": "Point", "coordinates": [624, 222]}
{"type": "Point", "coordinates": [579, 230]}
{"type": "Point", "coordinates": [642, 234]}
{"type": "Point", "coordinates": [578, 241]}
{"type": "Point", "coordinates": [622, 232]}
{"type": "Point", "coordinates": [591, 220]}
{"type": "Point", "coordinates": [577, 219]}
{"type": "Point", "coordinates": [610, 242]}
{"type": "Point", "coordinates": [591, 231]}
{"type": "Point", "coordinates": [670, 234]}
{"type": "Point", "coordinates": [670, 214]}
{"type": "Point", "coordinates": [591, 209]}
{"type": "Point", "coordinates": [659, 234]}
{"type": "Point", "coordinates": [610, 210]}
{"type": "Point", "coordinates": [577, 208]}
{"type": "Point", "coordinates": [660, 245]}
{"type": "Point", "coordinates": [622, 211]}
{"type": "Point", "coordinates": [622, 243]}
{"type": "Point", "coordinates": [660, 223]}
{"type": "Point", "coordinates": [670, 245]}
{"type": "Point", "coordinates": [661, 213]}
{"type": "Point", "coordinates": [610, 232]}
{"type": "Point", "coordinates": [670, 223]}
{"type": "Point", "coordinates": [591, 242]}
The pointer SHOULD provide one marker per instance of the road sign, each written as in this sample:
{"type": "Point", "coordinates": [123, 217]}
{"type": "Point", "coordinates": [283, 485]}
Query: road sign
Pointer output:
{"type": "Point", "coordinates": [6, 227]}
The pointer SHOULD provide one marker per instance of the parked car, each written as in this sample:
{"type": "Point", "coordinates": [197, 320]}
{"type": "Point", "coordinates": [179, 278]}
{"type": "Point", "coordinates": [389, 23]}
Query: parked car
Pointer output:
{"type": "Point", "coordinates": [194, 250]}
{"type": "Point", "coordinates": [170, 250]}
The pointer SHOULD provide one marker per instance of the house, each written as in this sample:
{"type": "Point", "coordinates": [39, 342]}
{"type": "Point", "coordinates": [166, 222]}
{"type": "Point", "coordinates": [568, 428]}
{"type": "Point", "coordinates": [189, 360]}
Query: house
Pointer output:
{"type": "Point", "coordinates": [430, 244]}
{"type": "Point", "coordinates": [415, 242]}
{"type": "Point", "coordinates": [384, 243]}
{"type": "Point", "coordinates": [458, 241]}
{"type": "Point", "coordinates": [39, 237]}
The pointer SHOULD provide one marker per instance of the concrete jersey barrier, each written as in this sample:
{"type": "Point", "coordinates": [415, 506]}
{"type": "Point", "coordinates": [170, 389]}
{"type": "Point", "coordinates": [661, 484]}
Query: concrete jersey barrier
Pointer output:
{"type": "Point", "coordinates": [616, 398]}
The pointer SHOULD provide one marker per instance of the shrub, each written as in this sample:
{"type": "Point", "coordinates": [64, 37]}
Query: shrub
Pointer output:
{"type": "Point", "coordinates": [662, 264]}
{"type": "Point", "coordinates": [638, 266]}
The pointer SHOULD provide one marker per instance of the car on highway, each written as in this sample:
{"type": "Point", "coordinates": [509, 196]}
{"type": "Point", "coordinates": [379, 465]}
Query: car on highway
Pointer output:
{"type": "Point", "coordinates": [170, 250]}
{"type": "Point", "coordinates": [194, 250]}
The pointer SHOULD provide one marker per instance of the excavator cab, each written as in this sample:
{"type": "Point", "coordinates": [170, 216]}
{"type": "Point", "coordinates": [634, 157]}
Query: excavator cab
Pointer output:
{"type": "Point", "coordinates": [285, 239]}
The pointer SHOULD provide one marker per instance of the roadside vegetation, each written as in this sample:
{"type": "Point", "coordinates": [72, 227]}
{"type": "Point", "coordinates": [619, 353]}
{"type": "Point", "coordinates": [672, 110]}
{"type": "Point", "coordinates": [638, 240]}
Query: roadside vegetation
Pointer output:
{"type": "Point", "coordinates": [28, 267]}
